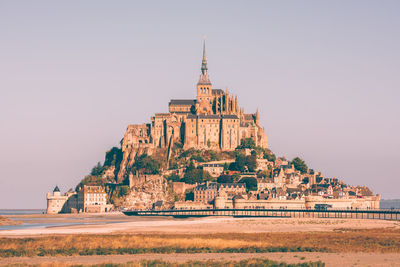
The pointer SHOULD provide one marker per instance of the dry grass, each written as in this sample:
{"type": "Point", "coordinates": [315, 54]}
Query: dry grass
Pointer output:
{"type": "Point", "coordinates": [292, 221]}
{"type": "Point", "coordinates": [343, 240]}
{"type": "Point", "coordinates": [210, 263]}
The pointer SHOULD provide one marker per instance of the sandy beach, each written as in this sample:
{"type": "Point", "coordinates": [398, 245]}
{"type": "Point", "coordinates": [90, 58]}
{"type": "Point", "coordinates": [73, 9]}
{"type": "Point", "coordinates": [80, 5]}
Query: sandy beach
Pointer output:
{"type": "Point", "coordinates": [100, 224]}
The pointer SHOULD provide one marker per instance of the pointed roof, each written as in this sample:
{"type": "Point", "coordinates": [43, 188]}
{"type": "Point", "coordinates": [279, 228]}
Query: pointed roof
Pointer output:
{"type": "Point", "coordinates": [204, 60]}
{"type": "Point", "coordinates": [204, 79]}
{"type": "Point", "coordinates": [56, 189]}
{"type": "Point", "coordinates": [257, 116]}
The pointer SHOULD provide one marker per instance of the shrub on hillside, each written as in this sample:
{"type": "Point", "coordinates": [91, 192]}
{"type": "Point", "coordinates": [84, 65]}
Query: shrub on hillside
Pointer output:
{"type": "Point", "coordinates": [247, 143]}
{"type": "Point", "coordinates": [251, 183]}
{"type": "Point", "coordinates": [243, 162]}
{"type": "Point", "coordinates": [113, 157]}
{"type": "Point", "coordinates": [196, 176]}
{"type": "Point", "coordinates": [97, 170]}
{"type": "Point", "coordinates": [300, 165]}
{"type": "Point", "coordinates": [224, 179]}
{"type": "Point", "coordinates": [148, 165]}
{"type": "Point", "coordinates": [189, 196]}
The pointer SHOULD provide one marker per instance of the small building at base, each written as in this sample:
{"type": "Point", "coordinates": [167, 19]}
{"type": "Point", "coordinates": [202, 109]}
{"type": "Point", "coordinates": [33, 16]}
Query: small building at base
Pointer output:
{"type": "Point", "coordinates": [91, 199]}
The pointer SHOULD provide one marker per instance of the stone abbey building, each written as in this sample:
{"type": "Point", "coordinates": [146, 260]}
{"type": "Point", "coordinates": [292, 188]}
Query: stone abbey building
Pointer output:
{"type": "Point", "coordinates": [214, 120]}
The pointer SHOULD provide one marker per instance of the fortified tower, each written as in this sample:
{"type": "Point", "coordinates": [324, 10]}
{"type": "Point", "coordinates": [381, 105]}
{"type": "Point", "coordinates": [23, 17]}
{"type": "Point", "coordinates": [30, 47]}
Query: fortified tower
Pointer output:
{"type": "Point", "coordinates": [55, 201]}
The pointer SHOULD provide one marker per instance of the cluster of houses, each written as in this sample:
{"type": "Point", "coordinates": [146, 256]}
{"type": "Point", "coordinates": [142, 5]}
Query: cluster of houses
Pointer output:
{"type": "Point", "coordinates": [279, 185]}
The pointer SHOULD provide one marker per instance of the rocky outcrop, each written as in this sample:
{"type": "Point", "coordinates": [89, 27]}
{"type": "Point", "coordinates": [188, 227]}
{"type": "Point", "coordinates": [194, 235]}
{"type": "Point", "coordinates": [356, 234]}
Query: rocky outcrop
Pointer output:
{"type": "Point", "coordinates": [146, 190]}
{"type": "Point", "coordinates": [129, 156]}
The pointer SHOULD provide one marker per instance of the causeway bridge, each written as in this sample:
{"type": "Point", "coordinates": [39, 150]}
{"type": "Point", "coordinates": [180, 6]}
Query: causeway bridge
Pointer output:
{"type": "Point", "coordinates": [281, 213]}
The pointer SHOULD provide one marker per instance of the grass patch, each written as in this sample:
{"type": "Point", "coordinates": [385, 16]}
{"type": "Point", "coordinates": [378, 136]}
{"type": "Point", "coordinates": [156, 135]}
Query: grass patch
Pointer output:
{"type": "Point", "coordinates": [249, 262]}
{"type": "Point", "coordinates": [210, 263]}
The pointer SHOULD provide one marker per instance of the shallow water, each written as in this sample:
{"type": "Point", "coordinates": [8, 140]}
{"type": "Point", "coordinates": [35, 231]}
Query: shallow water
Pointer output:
{"type": "Point", "coordinates": [21, 211]}
{"type": "Point", "coordinates": [34, 219]}
{"type": "Point", "coordinates": [390, 204]}
{"type": "Point", "coordinates": [28, 225]}
{"type": "Point", "coordinates": [32, 225]}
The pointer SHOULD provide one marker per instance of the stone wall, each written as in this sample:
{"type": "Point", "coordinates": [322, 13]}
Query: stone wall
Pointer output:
{"type": "Point", "coordinates": [308, 202]}
{"type": "Point", "coordinates": [180, 188]}
{"type": "Point", "coordinates": [372, 202]}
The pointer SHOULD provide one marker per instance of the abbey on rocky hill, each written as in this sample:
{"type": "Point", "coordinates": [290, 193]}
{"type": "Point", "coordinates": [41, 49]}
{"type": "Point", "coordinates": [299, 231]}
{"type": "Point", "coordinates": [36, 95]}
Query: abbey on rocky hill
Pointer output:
{"type": "Point", "coordinates": [213, 120]}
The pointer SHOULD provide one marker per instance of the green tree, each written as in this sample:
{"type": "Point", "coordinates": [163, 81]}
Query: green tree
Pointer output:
{"type": "Point", "coordinates": [147, 164]}
{"type": "Point", "coordinates": [247, 143]}
{"type": "Point", "coordinates": [113, 157]}
{"type": "Point", "coordinates": [265, 173]}
{"type": "Point", "coordinates": [226, 166]}
{"type": "Point", "coordinates": [299, 165]}
{"type": "Point", "coordinates": [189, 196]}
{"type": "Point", "coordinates": [213, 155]}
{"type": "Point", "coordinates": [269, 155]}
{"type": "Point", "coordinates": [196, 176]}
{"type": "Point", "coordinates": [242, 161]}
{"type": "Point", "coordinates": [223, 179]}
{"type": "Point", "coordinates": [239, 164]}
{"type": "Point", "coordinates": [190, 167]}
{"type": "Point", "coordinates": [251, 183]}
{"type": "Point", "coordinates": [259, 151]}
{"type": "Point", "coordinates": [251, 163]}
{"type": "Point", "coordinates": [97, 170]}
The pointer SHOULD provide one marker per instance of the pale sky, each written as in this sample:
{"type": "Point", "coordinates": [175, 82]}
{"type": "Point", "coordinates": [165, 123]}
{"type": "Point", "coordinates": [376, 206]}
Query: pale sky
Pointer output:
{"type": "Point", "coordinates": [73, 74]}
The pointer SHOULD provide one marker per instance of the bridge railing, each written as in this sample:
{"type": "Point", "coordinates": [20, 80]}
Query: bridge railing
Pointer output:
{"type": "Point", "coordinates": [294, 213]}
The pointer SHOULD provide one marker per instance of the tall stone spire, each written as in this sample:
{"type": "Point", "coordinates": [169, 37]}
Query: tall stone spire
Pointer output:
{"type": "Point", "coordinates": [204, 79]}
{"type": "Point", "coordinates": [236, 104]}
{"type": "Point", "coordinates": [204, 61]}
{"type": "Point", "coordinates": [257, 117]}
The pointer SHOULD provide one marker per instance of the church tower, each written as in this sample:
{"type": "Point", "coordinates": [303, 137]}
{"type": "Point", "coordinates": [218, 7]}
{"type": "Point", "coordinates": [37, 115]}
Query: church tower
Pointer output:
{"type": "Point", "coordinates": [204, 87]}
